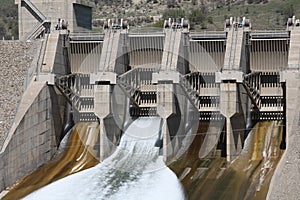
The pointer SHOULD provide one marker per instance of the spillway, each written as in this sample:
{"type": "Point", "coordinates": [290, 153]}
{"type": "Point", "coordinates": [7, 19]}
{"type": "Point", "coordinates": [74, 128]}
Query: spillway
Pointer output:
{"type": "Point", "coordinates": [77, 153]}
{"type": "Point", "coordinates": [134, 171]}
{"type": "Point", "coordinates": [137, 168]}
{"type": "Point", "coordinates": [225, 81]}
{"type": "Point", "coordinates": [247, 177]}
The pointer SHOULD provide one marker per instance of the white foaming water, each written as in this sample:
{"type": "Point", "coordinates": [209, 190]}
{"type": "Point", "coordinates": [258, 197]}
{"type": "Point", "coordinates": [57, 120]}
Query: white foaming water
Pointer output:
{"type": "Point", "coordinates": [134, 171]}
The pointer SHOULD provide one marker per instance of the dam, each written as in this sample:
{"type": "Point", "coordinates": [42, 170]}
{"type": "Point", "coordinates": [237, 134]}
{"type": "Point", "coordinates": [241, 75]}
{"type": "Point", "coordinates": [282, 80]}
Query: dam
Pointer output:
{"type": "Point", "coordinates": [129, 168]}
{"type": "Point", "coordinates": [229, 80]}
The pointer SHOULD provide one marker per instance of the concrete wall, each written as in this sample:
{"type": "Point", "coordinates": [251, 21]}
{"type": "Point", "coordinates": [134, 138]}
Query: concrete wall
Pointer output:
{"type": "Point", "coordinates": [182, 57]}
{"type": "Point", "coordinates": [145, 49]}
{"type": "Point", "coordinates": [60, 63]}
{"type": "Point", "coordinates": [77, 13]}
{"type": "Point", "coordinates": [34, 136]}
{"type": "Point", "coordinates": [2, 183]}
{"type": "Point", "coordinates": [233, 107]}
{"type": "Point", "coordinates": [182, 124]}
{"type": "Point", "coordinates": [82, 18]}
{"type": "Point", "coordinates": [269, 55]}
{"type": "Point", "coordinates": [85, 57]}
{"type": "Point", "coordinates": [206, 56]}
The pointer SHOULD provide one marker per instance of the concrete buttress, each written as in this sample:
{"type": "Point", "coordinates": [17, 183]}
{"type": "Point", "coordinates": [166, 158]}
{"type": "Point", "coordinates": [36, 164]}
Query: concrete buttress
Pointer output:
{"type": "Point", "coordinates": [165, 107]}
{"type": "Point", "coordinates": [102, 110]}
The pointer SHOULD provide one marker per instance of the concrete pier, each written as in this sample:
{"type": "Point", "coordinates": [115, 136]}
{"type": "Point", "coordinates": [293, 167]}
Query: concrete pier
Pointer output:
{"type": "Point", "coordinates": [284, 183]}
{"type": "Point", "coordinates": [34, 135]}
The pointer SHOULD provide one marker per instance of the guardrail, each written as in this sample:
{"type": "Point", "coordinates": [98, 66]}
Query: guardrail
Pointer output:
{"type": "Point", "coordinates": [146, 30]}
{"type": "Point", "coordinates": [34, 10]}
{"type": "Point", "coordinates": [42, 54]}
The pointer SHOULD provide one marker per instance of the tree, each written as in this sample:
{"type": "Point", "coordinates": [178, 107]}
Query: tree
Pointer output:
{"type": "Point", "coordinates": [172, 4]}
{"type": "Point", "coordinates": [2, 30]}
{"type": "Point", "coordinates": [8, 19]}
{"type": "Point", "coordinates": [196, 16]}
{"type": "Point", "coordinates": [203, 25]}
{"type": "Point", "coordinates": [210, 20]}
{"type": "Point", "coordinates": [247, 10]}
{"type": "Point", "coordinates": [288, 11]}
{"type": "Point", "coordinates": [173, 13]}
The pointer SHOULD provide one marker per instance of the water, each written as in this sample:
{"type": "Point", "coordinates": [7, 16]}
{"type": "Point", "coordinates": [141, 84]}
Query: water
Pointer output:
{"type": "Point", "coordinates": [247, 177]}
{"type": "Point", "coordinates": [134, 171]}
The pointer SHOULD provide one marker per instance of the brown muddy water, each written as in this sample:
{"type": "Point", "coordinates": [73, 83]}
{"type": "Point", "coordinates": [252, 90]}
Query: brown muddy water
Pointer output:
{"type": "Point", "coordinates": [209, 177]}
{"type": "Point", "coordinates": [78, 155]}
{"type": "Point", "coordinates": [247, 177]}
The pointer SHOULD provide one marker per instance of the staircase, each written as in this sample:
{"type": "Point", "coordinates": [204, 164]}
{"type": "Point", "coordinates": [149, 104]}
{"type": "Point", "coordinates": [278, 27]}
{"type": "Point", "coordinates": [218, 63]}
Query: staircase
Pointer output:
{"type": "Point", "coordinates": [234, 45]}
{"type": "Point", "coordinates": [192, 94]}
{"type": "Point", "coordinates": [79, 94]}
{"type": "Point", "coordinates": [43, 24]}
{"type": "Point", "coordinates": [252, 88]}
{"type": "Point", "coordinates": [137, 83]}
{"type": "Point", "coordinates": [33, 10]}
{"type": "Point", "coordinates": [171, 50]}
{"type": "Point", "coordinates": [38, 30]}
{"type": "Point", "coordinates": [109, 51]}
{"type": "Point", "coordinates": [146, 98]}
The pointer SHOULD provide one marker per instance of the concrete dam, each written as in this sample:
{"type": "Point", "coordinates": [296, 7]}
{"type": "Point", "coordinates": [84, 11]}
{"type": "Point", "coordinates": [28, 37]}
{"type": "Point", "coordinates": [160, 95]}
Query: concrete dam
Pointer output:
{"type": "Point", "coordinates": [224, 104]}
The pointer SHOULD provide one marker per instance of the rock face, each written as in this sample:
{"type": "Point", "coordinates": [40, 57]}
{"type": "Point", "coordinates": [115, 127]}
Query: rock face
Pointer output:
{"type": "Point", "coordinates": [15, 58]}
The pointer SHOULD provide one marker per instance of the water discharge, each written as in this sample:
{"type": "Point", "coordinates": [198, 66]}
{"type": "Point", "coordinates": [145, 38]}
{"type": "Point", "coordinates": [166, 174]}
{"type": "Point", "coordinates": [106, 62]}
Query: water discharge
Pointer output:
{"type": "Point", "coordinates": [134, 171]}
{"type": "Point", "coordinates": [138, 169]}
{"type": "Point", "coordinates": [247, 177]}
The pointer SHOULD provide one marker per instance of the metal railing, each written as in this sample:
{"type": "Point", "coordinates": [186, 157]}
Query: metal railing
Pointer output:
{"type": "Point", "coordinates": [37, 30]}
{"type": "Point", "coordinates": [146, 30]}
{"type": "Point", "coordinates": [252, 88]}
{"type": "Point", "coordinates": [208, 34]}
{"type": "Point", "coordinates": [192, 94]}
{"type": "Point", "coordinates": [88, 35]}
{"type": "Point", "coordinates": [34, 10]}
{"type": "Point", "coordinates": [42, 55]}
{"type": "Point", "coordinates": [138, 76]}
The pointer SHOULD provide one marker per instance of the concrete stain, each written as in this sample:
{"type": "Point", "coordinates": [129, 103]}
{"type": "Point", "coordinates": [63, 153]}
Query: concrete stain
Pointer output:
{"type": "Point", "coordinates": [77, 157]}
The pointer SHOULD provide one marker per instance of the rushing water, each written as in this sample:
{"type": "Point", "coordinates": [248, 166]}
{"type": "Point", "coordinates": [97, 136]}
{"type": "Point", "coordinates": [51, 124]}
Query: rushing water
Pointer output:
{"type": "Point", "coordinates": [134, 171]}
{"type": "Point", "coordinates": [247, 177]}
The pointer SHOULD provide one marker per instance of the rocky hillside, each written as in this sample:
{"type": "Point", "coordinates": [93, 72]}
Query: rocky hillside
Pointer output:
{"type": "Point", "coordinates": [15, 58]}
{"type": "Point", "coordinates": [203, 14]}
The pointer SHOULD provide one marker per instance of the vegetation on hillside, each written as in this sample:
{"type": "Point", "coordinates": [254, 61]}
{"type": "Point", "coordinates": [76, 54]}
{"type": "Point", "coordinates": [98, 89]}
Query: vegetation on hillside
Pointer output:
{"type": "Point", "coordinates": [203, 14]}
{"type": "Point", "coordinates": [272, 14]}
{"type": "Point", "coordinates": [8, 19]}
